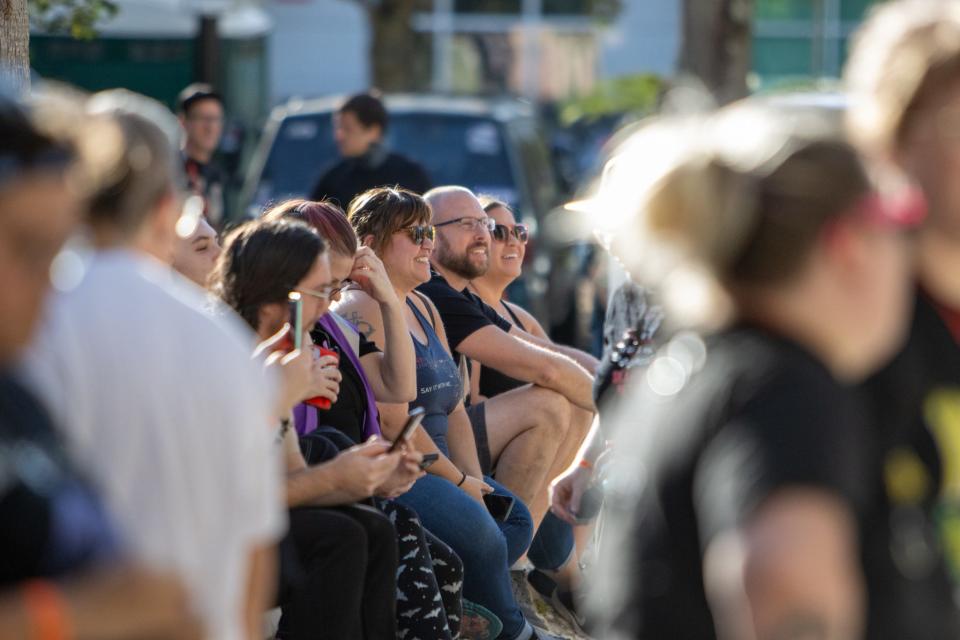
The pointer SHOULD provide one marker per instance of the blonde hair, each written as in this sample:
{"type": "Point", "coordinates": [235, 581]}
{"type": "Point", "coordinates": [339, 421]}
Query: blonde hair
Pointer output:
{"type": "Point", "coordinates": [735, 199]}
{"type": "Point", "coordinates": [905, 52]}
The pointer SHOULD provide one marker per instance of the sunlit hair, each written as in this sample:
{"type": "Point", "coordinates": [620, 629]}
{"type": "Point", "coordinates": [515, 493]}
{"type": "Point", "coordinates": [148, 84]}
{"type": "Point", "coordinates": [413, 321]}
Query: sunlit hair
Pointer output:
{"type": "Point", "coordinates": [328, 219]}
{"type": "Point", "coordinates": [262, 261]}
{"type": "Point", "coordinates": [903, 55]}
{"type": "Point", "coordinates": [383, 211]}
{"type": "Point", "coordinates": [698, 205]}
{"type": "Point", "coordinates": [489, 203]}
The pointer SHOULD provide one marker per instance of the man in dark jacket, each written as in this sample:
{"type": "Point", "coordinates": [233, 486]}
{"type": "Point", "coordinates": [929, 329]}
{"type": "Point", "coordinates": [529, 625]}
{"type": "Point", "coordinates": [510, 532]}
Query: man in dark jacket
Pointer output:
{"type": "Point", "coordinates": [358, 128]}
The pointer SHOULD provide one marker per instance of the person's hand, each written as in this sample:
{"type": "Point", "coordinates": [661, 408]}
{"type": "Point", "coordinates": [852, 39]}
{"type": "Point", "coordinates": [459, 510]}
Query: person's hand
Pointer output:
{"type": "Point", "coordinates": [129, 602]}
{"type": "Point", "coordinates": [370, 275]}
{"type": "Point", "coordinates": [361, 469]}
{"type": "Point", "coordinates": [294, 368]}
{"type": "Point", "coordinates": [566, 491]}
{"type": "Point", "coordinates": [403, 477]}
{"type": "Point", "coordinates": [476, 488]}
{"type": "Point", "coordinates": [326, 378]}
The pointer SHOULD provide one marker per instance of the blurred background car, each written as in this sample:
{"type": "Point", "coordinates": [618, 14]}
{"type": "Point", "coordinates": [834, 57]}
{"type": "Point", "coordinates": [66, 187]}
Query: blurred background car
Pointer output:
{"type": "Point", "coordinates": [491, 146]}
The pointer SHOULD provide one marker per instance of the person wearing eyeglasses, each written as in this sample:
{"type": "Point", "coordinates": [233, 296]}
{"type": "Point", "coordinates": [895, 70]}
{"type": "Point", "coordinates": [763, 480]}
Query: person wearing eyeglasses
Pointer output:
{"type": "Point", "coordinates": [348, 551]}
{"type": "Point", "coordinates": [431, 573]}
{"type": "Point", "coordinates": [522, 435]}
{"type": "Point", "coordinates": [200, 109]}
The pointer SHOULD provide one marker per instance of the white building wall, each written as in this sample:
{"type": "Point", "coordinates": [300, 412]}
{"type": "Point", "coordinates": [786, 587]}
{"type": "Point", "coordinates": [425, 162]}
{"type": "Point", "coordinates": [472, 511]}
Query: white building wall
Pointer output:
{"type": "Point", "coordinates": [644, 39]}
{"type": "Point", "coordinates": [318, 47]}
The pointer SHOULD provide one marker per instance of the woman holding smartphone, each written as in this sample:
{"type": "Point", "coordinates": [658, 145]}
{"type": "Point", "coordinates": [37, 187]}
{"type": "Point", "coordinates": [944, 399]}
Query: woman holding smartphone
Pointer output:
{"type": "Point", "coordinates": [395, 223]}
{"type": "Point", "coordinates": [370, 375]}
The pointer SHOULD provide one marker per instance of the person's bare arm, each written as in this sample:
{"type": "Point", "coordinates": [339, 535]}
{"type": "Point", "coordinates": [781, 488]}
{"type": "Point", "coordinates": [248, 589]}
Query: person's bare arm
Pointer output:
{"type": "Point", "coordinates": [523, 360]}
{"type": "Point", "coordinates": [380, 312]}
{"type": "Point", "coordinates": [112, 604]}
{"type": "Point", "coordinates": [792, 572]}
{"type": "Point", "coordinates": [353, 475]}
{"type": "Point", "coordinates": [536, 334]}
{"type": "Point", "coordinates": [261, 585]}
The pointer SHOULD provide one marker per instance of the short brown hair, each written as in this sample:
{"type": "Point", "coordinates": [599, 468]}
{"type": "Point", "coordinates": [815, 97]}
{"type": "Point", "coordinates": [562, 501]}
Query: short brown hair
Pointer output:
{"type": "Point", "coordinates": [904, 53]}
{"type": "Point", "coordinates": [325, 217]}
{"type": "Point", "coordinates": [383, 211]}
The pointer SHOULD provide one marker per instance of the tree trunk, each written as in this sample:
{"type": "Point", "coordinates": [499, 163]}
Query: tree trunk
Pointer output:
{"type": "Point", "coordinates": [716, 45]}
{"type": "Point", "coordinates": [14, 46]}
{"type": "Point", "coordinates": [398, 55]}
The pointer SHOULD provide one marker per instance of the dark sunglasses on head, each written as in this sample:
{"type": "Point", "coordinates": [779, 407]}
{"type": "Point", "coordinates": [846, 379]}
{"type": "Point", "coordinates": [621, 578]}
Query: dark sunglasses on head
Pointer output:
{"type": "Point", "coordinates": [420, 232]}
{"type": "Point", "coordinates": [519, 231]}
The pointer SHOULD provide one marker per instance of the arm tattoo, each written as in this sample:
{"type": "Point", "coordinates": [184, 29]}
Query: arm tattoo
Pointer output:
{"type": "Point", "coordinates": [362, 325]}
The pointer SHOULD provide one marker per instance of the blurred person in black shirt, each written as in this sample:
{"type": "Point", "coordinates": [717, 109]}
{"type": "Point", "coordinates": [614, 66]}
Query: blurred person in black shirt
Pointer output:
{"type": "Point", "coordinates": [904, 81]}
{"type": "Point", "coordinates": [359, 127]}
{"type": "Point", "coordinates": [200, 110]}
{"type": "Point", "coordinates": [738, 498]}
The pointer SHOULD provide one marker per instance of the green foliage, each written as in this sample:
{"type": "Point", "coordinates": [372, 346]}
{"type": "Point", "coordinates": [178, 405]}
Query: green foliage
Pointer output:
{"type": "Point", "coordinates": [77, 18]}
{"type": "Point", "coordinates": [636, 94]}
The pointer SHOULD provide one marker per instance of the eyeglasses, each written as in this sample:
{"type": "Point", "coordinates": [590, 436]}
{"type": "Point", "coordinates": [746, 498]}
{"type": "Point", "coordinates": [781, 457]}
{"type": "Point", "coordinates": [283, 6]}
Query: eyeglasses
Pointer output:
{"type": "Point", "coordinates": [346, 284]}
{"type": "Point", "coordinates": [420, 232]}
{"type": "Point", "coordinates": [519, 231]}
{"type": "Point", "coordinates": [322, 295]}
{"type": "Point", "coordinates": [469, 223]}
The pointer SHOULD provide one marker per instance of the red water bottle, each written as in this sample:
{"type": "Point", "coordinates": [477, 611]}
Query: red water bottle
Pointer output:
{"type": "Point", "coordinates": [319, 402]}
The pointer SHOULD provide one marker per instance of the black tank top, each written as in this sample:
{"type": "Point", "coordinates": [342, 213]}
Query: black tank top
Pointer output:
{"type": "Point", "coordinates": [493, 382]}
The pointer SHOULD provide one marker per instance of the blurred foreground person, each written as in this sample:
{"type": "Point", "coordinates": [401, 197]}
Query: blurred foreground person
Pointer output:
{"type": "Point", "coordinates": [744, 467]}
{"type": "Point", "coordinates": [904, 79]}
{"type": "Point", "coordinates": [61, 553]}
{"type": "Point", "coordinates": [160, 402]}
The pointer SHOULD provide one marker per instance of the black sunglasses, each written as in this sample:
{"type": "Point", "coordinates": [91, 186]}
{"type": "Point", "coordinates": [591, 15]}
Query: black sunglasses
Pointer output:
{"type": "Point", "coordinates": [420, 232]}
{"type": "Point", "coordinates": [519, 231]}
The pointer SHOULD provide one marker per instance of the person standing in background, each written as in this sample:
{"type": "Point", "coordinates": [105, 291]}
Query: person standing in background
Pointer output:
{"type": "Point", "coordinates": [200, 110]}
{"type": "Point", "coordinates": [359, 127]}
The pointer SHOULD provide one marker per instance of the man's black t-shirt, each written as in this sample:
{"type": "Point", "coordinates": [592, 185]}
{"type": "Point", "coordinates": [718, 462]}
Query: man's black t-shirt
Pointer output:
{"type": "Point", "coordinates": [350, 177]}
{"type": "Point", "coordinates": [912, 542]}
{"type": "Point", "coordinates": [50, 522]}
{"type": "Point", "coordinates": [348, 412]}
{"type": "Point", "coordinates": [463, 312]}
{"type": "Point", "coordinates": [693, 462]}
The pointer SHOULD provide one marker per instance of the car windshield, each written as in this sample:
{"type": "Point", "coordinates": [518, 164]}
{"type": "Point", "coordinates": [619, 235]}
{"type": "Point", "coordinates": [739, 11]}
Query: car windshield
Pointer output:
{"type": "Point", "coordinates": [454, 149]}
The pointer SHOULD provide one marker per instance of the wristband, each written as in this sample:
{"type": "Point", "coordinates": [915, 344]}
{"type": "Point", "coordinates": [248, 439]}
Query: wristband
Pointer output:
{"type": "Point", "coordinates": [463, 479]}
{"type": "Point", "coordinates": [46, 611]}
{"type": "Point", "coordinates": [586, 464]}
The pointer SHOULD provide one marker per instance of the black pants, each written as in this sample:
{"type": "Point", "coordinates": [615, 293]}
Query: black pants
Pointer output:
{"type": "Point", "coordinates": [341, 583]}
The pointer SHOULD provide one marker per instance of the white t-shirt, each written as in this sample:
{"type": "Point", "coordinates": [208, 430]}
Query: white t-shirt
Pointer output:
{"type": "Point", "coordinates": [163, 407]}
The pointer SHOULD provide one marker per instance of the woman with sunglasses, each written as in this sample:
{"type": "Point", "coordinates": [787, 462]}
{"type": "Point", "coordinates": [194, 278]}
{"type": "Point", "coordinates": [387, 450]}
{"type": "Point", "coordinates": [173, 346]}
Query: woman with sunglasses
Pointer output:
{"type": "Point", "coordinates": [450, 499]}
{"type": "Point", "coordinates": [431, 574]}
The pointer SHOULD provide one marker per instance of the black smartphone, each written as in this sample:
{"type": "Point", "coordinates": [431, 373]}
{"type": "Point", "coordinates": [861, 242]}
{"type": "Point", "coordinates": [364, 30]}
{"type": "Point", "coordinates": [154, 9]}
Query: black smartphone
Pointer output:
{"type": "Point", "coordinates": [414, 418]}
{"type": "Point", "coordinates": [428, 459]}
{"type": "Point", "coordinates": [498, 506]}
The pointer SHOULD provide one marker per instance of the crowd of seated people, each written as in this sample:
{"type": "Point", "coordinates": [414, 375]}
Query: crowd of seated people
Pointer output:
{"type": "Point", "coordinates": [332, 422]}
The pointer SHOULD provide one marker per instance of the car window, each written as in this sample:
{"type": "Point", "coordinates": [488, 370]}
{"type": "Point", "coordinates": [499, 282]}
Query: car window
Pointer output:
{"type": "Point", "coordinates": [453, 148]}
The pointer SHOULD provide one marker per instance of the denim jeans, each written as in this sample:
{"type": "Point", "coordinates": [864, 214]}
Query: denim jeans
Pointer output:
{"type": "Point", "coordinates": [553, 545]}
{"type": "Point", "coordinates": [487, 548]}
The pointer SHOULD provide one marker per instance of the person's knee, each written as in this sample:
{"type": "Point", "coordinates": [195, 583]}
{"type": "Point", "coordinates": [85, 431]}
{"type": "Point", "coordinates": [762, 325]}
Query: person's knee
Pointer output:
{"type": "Point", "coordinates": [550, 410]}
{"type": "Point", "coordinates": [487, 550]}
{"type": "Point", "coordinates": [379, 532]}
